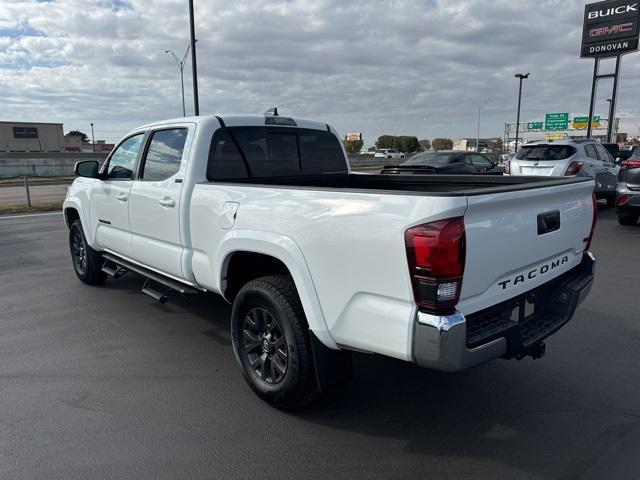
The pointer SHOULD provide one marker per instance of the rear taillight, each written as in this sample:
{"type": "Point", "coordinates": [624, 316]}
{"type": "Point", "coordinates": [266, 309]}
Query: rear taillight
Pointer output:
{"type": "Point", "coordinates": [630, 164]}
{"type": "Point", "coordinates": [574, 167]}
{"type": "Point", "coordinates": [594, 201]}
{"type": "Point", "coordinates": [623, 199]}
{"type": "Point", "coordinates": [507, 167]}
{"type": "Point", "coordinates": [436, 254]}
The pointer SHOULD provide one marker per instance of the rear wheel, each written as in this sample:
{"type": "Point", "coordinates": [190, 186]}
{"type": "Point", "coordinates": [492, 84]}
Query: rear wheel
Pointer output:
{"type": "Point", "coordinates": [271, 342]}
{"type": "Point", "coordinates": [627, 219]}
{"type": "Point", "coordinates": [87, 262]}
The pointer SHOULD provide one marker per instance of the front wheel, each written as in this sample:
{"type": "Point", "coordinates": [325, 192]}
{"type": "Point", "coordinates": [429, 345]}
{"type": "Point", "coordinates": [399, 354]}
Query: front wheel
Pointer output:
{"type": "Point", "coordinates": [87, 263]}
{"type": "Point", "coordinates": [271, 342]}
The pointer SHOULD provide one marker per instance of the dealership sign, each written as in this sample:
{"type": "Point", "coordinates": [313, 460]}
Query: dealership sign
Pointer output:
{"type": "Point", "coordinates": [610, 29]}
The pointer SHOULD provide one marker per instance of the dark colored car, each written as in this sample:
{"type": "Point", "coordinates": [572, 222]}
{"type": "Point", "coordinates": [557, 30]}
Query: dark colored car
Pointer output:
{"type": "Point", "coordinates": [447, 162]}
{"type": "Point", "coordinates": [627, 151]}
{"type": "Point", "coordinates": [628, 190]}
{"type": "Point", "coordinates": [613, 149]}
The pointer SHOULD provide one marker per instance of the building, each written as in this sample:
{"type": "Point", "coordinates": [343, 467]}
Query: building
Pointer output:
{"type": "Point", "coordinates": [31, 137]}
{"type": "Point", "coordinates": [45, 137]}
{"type": "Point", "coordinates": [493, 144]}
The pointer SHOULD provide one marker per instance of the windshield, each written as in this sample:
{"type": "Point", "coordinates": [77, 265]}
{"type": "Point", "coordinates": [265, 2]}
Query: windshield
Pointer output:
{"type": "Point", "coordinates": [431, 159]}
{"type": "Point", "coordinates": [545, 152]}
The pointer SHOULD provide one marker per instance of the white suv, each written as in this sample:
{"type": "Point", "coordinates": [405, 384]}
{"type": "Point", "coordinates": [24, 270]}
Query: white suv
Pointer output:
{"type": "Point", "coordinates": [581, 157]}
{"type": "Point", "coordinates": [388, 153]}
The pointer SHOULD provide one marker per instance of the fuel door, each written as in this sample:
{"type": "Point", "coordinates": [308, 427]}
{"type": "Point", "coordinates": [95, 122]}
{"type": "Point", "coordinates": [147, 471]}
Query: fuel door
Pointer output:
{"type": "Point", "coordinates": [228, 217]}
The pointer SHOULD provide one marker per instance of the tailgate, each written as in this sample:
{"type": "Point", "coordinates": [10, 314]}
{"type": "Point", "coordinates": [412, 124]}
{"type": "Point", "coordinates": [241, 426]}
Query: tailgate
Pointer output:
{"type": "Point", "coordinates": [507, 256]}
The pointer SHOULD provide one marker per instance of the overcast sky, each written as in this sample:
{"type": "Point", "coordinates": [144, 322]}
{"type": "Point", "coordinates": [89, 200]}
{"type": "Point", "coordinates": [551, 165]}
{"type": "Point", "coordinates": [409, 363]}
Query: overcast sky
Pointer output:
{"type": "Point", "coordinates": [375, 67]}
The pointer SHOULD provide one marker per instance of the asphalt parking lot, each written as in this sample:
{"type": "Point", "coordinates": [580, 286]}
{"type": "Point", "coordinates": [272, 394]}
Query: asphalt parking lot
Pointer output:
{"type": "Point", "coordinates": [102, 382]}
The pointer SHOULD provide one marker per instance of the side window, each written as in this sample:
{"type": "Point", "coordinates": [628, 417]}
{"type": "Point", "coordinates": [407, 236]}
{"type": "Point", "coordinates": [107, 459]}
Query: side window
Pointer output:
{"type": "Point", "coordinates": [123, 160]}
{"type": "Point", "coordinates": [603, 153]}
{"type": "Point", "coordinates": [164, 154]}
{"type": "Point", "coordinates": [591, 152]}
{"type": "Point", "coordinates": [480, 161]}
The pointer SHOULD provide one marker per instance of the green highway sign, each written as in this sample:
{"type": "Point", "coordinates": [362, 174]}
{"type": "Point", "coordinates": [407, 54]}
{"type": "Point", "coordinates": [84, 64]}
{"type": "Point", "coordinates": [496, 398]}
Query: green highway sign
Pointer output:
{"type": "Point", "coordinates": [535, 126]}
{"type": "Point", "coordinates": [556, 121]}
{"type": "Point", "coordinates": [585, 119]}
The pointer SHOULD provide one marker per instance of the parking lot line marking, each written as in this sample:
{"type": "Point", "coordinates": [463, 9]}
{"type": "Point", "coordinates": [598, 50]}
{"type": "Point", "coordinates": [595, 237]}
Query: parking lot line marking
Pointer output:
{"type": "Point", "coordinates": [30, 215]}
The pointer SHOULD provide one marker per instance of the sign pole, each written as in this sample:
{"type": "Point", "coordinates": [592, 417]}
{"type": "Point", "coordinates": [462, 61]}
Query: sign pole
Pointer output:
{"type": "Point", "coordinates": [612, 106]}
{"type": "Point", "coordinates": [594, 83]}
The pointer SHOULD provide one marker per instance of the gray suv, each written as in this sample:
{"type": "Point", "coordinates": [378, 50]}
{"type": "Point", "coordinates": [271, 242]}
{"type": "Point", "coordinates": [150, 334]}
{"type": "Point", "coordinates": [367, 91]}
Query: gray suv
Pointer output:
{"type": "Point", "coordinates": [582, 157]}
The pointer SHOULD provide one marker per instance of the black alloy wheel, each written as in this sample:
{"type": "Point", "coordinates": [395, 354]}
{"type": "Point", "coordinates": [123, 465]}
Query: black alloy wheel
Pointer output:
{"type": "Point", "coordinates": [79, 252]}
{"type": "Point", "coordinates": [265, 345]}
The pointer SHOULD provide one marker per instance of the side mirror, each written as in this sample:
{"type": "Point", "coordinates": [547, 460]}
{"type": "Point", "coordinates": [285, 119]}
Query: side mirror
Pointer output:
{"type": "Point", "coordinates": [617, 160]}
{"type": "Point", "coordinates": [88, 168]}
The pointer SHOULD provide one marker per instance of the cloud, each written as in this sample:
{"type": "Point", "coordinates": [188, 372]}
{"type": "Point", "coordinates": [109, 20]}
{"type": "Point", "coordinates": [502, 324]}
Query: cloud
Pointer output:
{"type": "Point", "coordinates": [375, 67]}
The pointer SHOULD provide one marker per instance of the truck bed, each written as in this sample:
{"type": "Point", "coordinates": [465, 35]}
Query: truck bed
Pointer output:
{"type": "Point", "coordinates": [437, 185]}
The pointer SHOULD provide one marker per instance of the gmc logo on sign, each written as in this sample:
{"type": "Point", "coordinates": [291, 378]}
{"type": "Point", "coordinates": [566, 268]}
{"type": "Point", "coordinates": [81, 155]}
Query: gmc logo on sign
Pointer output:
{"type": "Point", "coordinates": [603, 31]}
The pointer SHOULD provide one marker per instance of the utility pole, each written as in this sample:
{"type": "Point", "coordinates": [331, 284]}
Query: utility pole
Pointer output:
{"type": "Point", "coordinates": [521, 77]}
{"type": "Point", "coordinates": [93, 139]}
{"type": "Point", "coordinates": [194, 68]}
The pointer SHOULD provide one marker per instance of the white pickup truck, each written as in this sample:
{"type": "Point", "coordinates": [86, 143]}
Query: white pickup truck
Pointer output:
{"type": "Point", "coordinates": [444, 271]}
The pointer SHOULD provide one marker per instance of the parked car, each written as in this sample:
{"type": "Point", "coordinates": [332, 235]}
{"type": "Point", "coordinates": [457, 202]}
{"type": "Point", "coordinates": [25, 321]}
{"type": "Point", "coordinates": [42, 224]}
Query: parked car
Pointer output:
{"type": "Point", "coordinates": [388, 153]}
{"type": "Point", "coordinates": [505, 157]}
{"type": "Point", "coordinates": [628, 190]}
{"type": "Point", "coordinates": [452, 162]}
{"type": "Point", "coordinates": [317, 261]}
{"type": "Point", "coordinates": [627, 151]}
{"type": "Point", "coordinates": [570, 158]}
{"type": "Point", "coordinates": [613, 149]}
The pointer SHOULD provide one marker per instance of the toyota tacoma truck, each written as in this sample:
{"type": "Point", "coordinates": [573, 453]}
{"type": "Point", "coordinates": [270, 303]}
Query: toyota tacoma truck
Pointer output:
{"type": "Point", "coordinates": [447, 272]}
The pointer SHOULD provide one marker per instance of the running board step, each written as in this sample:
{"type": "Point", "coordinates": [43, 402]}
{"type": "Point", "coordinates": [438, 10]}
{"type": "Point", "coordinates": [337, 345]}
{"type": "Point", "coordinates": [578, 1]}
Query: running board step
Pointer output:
{"type": "Point", "coordinates": [161, 295]}
{"type": "Point", "coordinates": [153, 280]}
{"type": "Point", "coordinates": [113, 269]}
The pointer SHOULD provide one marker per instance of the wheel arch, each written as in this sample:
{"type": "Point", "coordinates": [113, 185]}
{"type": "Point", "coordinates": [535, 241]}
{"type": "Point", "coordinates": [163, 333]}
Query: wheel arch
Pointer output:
{"type": "Point", "coordinates": [245, 255]}
{"type": "Point", "coordinates": [72, 210]}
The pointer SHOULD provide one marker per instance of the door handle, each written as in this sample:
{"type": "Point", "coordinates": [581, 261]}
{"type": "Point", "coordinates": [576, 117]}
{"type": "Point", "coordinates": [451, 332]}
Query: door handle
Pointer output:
{"type": "Point", "coordinates": [167, 202]}
{"type": "Point", "coordinates": [122, 197]}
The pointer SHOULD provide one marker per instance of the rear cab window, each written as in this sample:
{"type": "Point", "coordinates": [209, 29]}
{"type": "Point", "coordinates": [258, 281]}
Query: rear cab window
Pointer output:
{"type": "Point", "coordinates": [239, 153]}
{"type": "Point", "coordinates": [545, 152]}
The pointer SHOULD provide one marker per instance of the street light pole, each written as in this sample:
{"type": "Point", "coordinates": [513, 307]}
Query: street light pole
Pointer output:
{"type": "Point", "coordinates": [480, 105]}
{"type": "Point", "coordinates": [93, 139]}
{"type": "Point", "coordinates": [194, 68]}
{"type": "Point", "coordinates": [181, 64]}
{"type": "Point", "coordinates": [521, 77]}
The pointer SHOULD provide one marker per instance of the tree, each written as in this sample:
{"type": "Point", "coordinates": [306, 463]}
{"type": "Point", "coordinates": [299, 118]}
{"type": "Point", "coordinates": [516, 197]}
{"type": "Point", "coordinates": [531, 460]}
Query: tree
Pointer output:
{"type": "Point", "coordinates": [407, 144]}
{"type": "Point", "coordinates": [353, 146]}
{"type": "Point", "coordinates": [386, 141]}
{"type": "Point", "coordinates": [442, 144]}
{"type": "Point", "coordinates": [83, 136]}
{"type": "Point", "coordinates": [425, 144]}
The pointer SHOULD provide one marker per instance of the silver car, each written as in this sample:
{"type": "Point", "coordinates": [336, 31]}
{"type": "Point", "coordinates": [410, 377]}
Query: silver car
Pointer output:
{"type": "Point", "coordinates": [582, 157]}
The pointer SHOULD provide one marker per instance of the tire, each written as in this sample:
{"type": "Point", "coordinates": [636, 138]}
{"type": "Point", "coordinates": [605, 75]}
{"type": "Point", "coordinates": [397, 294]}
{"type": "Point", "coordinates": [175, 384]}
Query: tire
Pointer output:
{"type": "Point", "coordinates": [271, 342]}
{"type": "Point", "coordinates": [87, 263]}
{"type": "Point", "coordinates": [627, 219]}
